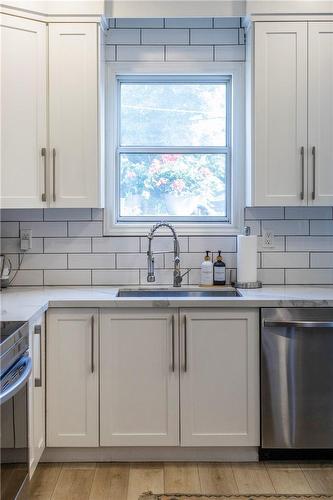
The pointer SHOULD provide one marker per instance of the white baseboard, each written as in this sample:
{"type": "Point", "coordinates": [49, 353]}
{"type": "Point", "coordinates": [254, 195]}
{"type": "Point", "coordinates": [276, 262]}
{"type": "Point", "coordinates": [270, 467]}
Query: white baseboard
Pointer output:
{"type": "Point", "coordinates": [151, 454]}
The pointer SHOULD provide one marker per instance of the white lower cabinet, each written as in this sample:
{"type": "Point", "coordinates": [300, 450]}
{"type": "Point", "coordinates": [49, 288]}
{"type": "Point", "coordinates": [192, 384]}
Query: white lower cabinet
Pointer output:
{"type": "Point", "coordinates": [37, 393]}
{"type": "Point", "coordinates": [72, 377]}
{"type": "Point", "coordinates": [216, 370]}
{"type": "Point", "coordinates": [139, 395]}
{"type": "Point", "coordinates": [219, 378]}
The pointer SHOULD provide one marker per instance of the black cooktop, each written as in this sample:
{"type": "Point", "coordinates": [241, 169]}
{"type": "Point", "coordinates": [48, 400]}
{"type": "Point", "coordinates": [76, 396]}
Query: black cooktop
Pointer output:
{"type": "Point", "coordinates": [7, 328]}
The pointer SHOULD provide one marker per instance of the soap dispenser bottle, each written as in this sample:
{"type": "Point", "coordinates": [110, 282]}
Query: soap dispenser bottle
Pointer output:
{"type": "Point", "coordinates": [219, 270]}
{"type": "Point", "coordinates": [207, 271]}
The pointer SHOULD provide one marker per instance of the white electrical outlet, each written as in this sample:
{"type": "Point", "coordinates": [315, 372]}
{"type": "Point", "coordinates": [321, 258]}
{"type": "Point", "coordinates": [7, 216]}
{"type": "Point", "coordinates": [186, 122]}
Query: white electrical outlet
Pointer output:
{"type": "Point", "coordinates": [26, 239]}
{"type": "Point", "coordinates": [268, 239]}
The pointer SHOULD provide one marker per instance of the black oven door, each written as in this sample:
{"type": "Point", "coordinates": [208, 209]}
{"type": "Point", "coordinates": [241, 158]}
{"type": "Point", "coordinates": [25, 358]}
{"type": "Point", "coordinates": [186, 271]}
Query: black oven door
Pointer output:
{"type": "Point", "coordinates": [14, 430]}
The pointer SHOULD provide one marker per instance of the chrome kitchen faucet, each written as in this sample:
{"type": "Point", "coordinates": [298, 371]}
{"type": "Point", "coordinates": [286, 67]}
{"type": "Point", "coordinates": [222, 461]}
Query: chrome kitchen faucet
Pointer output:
{"type": "Point", "coordinates": [177, 276]}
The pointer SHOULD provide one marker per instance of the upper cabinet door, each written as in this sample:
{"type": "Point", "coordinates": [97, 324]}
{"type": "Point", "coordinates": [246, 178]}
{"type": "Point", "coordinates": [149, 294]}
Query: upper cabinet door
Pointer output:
{"type": "Point", "coordinates": [73, 83]}
{"type": "Point", "coordinates": [23, 112]}
{"type": "Point", "coordinates": [320, 113]}
{"type": "Point", "coordinates": [280, 114]}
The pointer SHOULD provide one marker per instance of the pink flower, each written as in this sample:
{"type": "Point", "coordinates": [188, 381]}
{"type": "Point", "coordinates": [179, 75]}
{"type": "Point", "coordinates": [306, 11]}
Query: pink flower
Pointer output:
{"type": "Point", "coordinates": [178, 185]}
{"type": "Point", "coordinates": [169, 157]}
{"type": "Point", "coordinates": [131, 175]}
{"type": "Point", "coordinates": [161, 182]}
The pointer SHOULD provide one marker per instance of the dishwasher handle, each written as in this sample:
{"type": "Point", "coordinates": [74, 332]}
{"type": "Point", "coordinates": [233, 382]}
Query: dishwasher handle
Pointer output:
{"type": "Point", "coordinates": [299, 324]}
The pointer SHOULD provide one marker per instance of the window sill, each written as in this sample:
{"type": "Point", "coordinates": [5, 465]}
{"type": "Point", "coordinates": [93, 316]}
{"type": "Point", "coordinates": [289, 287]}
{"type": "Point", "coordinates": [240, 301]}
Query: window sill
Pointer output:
{"type": "Point", "coordinates": [142, 229]}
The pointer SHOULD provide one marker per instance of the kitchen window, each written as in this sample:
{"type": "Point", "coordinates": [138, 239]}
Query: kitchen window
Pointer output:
{"type": "Point", "coordinates": [172, 151]}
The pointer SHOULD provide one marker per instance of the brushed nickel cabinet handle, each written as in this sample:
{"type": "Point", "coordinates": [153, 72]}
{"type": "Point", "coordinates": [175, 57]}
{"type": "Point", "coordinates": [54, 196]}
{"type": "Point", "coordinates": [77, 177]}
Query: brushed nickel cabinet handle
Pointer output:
{"type": "Point", "coordinates": [38, 331]}
{"type": "Point", "coordinates": [54, 173]}
{"type": "Point", "coordinates": [302, 162]}
{"type": "Point", "coordinates": [43, 153]}
{"type": "Point", "coordinates": [173, 341]}
{"type": "Point", "coordinates": [92, 366]}
{"type": "Point", "coordinates": [313, 172]}
{"type": "Point", "coordinates": [185, 344]}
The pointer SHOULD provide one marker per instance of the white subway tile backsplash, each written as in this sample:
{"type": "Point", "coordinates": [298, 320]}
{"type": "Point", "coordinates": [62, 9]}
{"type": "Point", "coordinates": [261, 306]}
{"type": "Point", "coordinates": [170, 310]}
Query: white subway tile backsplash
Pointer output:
{"type": "Point", "coordinates": [309, 243]}
{"type": "Point", "coordinates": [227, 22]}
{"type": "Point", "coordinates": [12, 245]}
{"type": "Point", "coordinates": [139, 22]}
{"type": "Point", "coordinates": [164, 243]}
{"type": "Point", "coordinates": [309, 276]}
{"type": "Point", "coordinates": [254, 225]}
{"type": "Point", "coordinates": [308, 212]}
{"type": "Point", "coordinates": [321, 227]}
{"type": "Point", "coordinates": [110, 53]}
{"type": "Point", "coordinates": [321, 259]}
{"type": "Point", "coordinates": [116, 244]}
{"type": "Point", "coordinates": [123, 36]}
{"type": "Point", "coordinates": [214, 37]}
{"type": "Point", "coordinates": [44, 261]}
{"type": "Point", "coordinates": [137, 261]}
{"type": "Point", "coordinates": [230, 53]}
{"type": "Point", "coordinates": [91, 228]}
{"type": "Point", "coordinates": [271, 276]}
{"type": "Point", "coordinates": [140, 53]}
{"type": "Point", "coordinates": [67, 245]}
{"type": "Point", "coordinates": [28, 278]}
{"type": "Point", "coordinates": [264, 213]}
{"type": "Point", "coordinates": [97, 214]}
{"type": "Point", "coordinates": [43, 229]}
{"type": "Point", "coordinates": [33, 214]}
{"type": "Point", "coordinates": [284, 259]}
{"type": "Point", "coordinates": [67, 277]}
{"type": "Point", "coordinates": [189, 22]}
{"type": "Point", "coordinates": [116, 277]}
{"type": "Point", "coordinates": [189, 53]}
{"type": "Point", "coordinates": [286, 227]}
{"type": "Point", "coordinates": [60, 214]}
{"type": "Point", "coordinates": [10, 229]}
{"type": "Point", "coordinates": [212, 243]}
{"type": "Point", "coordinates": [165, 36]}
{"type": "Point", "coordinates": [91, 261]}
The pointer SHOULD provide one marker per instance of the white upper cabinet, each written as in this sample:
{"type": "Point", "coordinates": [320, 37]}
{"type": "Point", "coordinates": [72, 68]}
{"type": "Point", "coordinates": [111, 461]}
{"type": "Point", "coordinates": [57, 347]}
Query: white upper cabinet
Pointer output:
{"type": "Point", "coordinates": [280, 114]}
{"type": "Point", "coordinates": [139, 381]}
{"type": "Point", "coordinates": [320, 113]}
{"type": "Point", "coordinates": [50, 120]}
{"type": "Point", "coordinates": [73, 83]}
{"type": "Point", "coordinates": [219, 377]}
{"type": "Point", "coordinates": [292, 123]}
{"type": "Point", "coordinates": [23, 112]}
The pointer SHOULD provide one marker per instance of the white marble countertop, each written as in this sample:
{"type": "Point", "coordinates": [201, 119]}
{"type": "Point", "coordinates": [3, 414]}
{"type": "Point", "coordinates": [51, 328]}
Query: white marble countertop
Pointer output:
{"type": "Point", "coordinates": [26, 303]}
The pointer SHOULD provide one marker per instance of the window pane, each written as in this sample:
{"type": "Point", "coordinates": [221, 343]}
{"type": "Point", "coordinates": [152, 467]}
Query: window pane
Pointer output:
{"type": "Point", "coordinates": [173, 114]}
{"type": "Point", "coordinates": [185, 185]}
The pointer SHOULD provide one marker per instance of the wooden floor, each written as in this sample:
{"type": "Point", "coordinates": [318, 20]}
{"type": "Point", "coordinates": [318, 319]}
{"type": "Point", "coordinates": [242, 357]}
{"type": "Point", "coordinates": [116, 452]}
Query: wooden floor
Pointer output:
{"type": "Point", "coordinates": [90, 481]}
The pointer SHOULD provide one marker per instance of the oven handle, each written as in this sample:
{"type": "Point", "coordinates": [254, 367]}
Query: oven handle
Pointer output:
{"type": "Point", "coordinates": [13, 389]}
{"type": "Point", "coordinates": [299, 324]}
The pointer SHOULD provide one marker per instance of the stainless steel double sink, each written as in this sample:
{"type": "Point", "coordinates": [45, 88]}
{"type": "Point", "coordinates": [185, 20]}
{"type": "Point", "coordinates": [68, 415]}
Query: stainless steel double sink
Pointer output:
{"type": "Point", "coordinates": [175, 292]}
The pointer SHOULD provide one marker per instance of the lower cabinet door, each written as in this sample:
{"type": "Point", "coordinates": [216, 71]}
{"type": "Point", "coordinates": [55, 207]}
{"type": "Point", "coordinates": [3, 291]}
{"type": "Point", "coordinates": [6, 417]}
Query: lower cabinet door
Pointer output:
{"type": "Point", "coordinates": [37, 393]}
{"type": "Point", "coordinates": [139, 388]}
{"type": "Point", "coordinates": [72, 377]}
{"type": "Point", "coordinates": [219, 377]}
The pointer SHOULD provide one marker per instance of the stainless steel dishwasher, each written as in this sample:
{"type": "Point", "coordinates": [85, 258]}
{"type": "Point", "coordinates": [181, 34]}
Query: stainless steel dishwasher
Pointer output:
{"type": "Point", "coordinates": [297, 378]}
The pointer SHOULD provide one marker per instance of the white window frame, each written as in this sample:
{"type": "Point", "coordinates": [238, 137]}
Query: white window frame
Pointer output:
{"type": "Point", "coordinates": [115, 70]}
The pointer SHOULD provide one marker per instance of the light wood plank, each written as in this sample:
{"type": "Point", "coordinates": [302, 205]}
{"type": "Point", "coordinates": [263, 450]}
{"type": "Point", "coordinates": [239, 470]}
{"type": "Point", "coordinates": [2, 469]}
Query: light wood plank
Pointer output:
{"type": "Point", "coordinates": [44, 481]}
{"type": "Point", "coordinates": [79, 465]}
{"type": "Point", "coordinates": [110, 482]}
{"type": "Point", "coordinates": [74, 484]}
{"type": "Point", "coordinates": [252, 478]}
{"type": "Point", "coordinates": [217, 479]}
{"type": "Point", "coordinates": [181, 478]}
{"type": "Point", "coordinates": [319, 476]}
{"type": "Point", "coordinates": [288, 478]}
{"type": "Point", "coordinates": [145, 477]}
